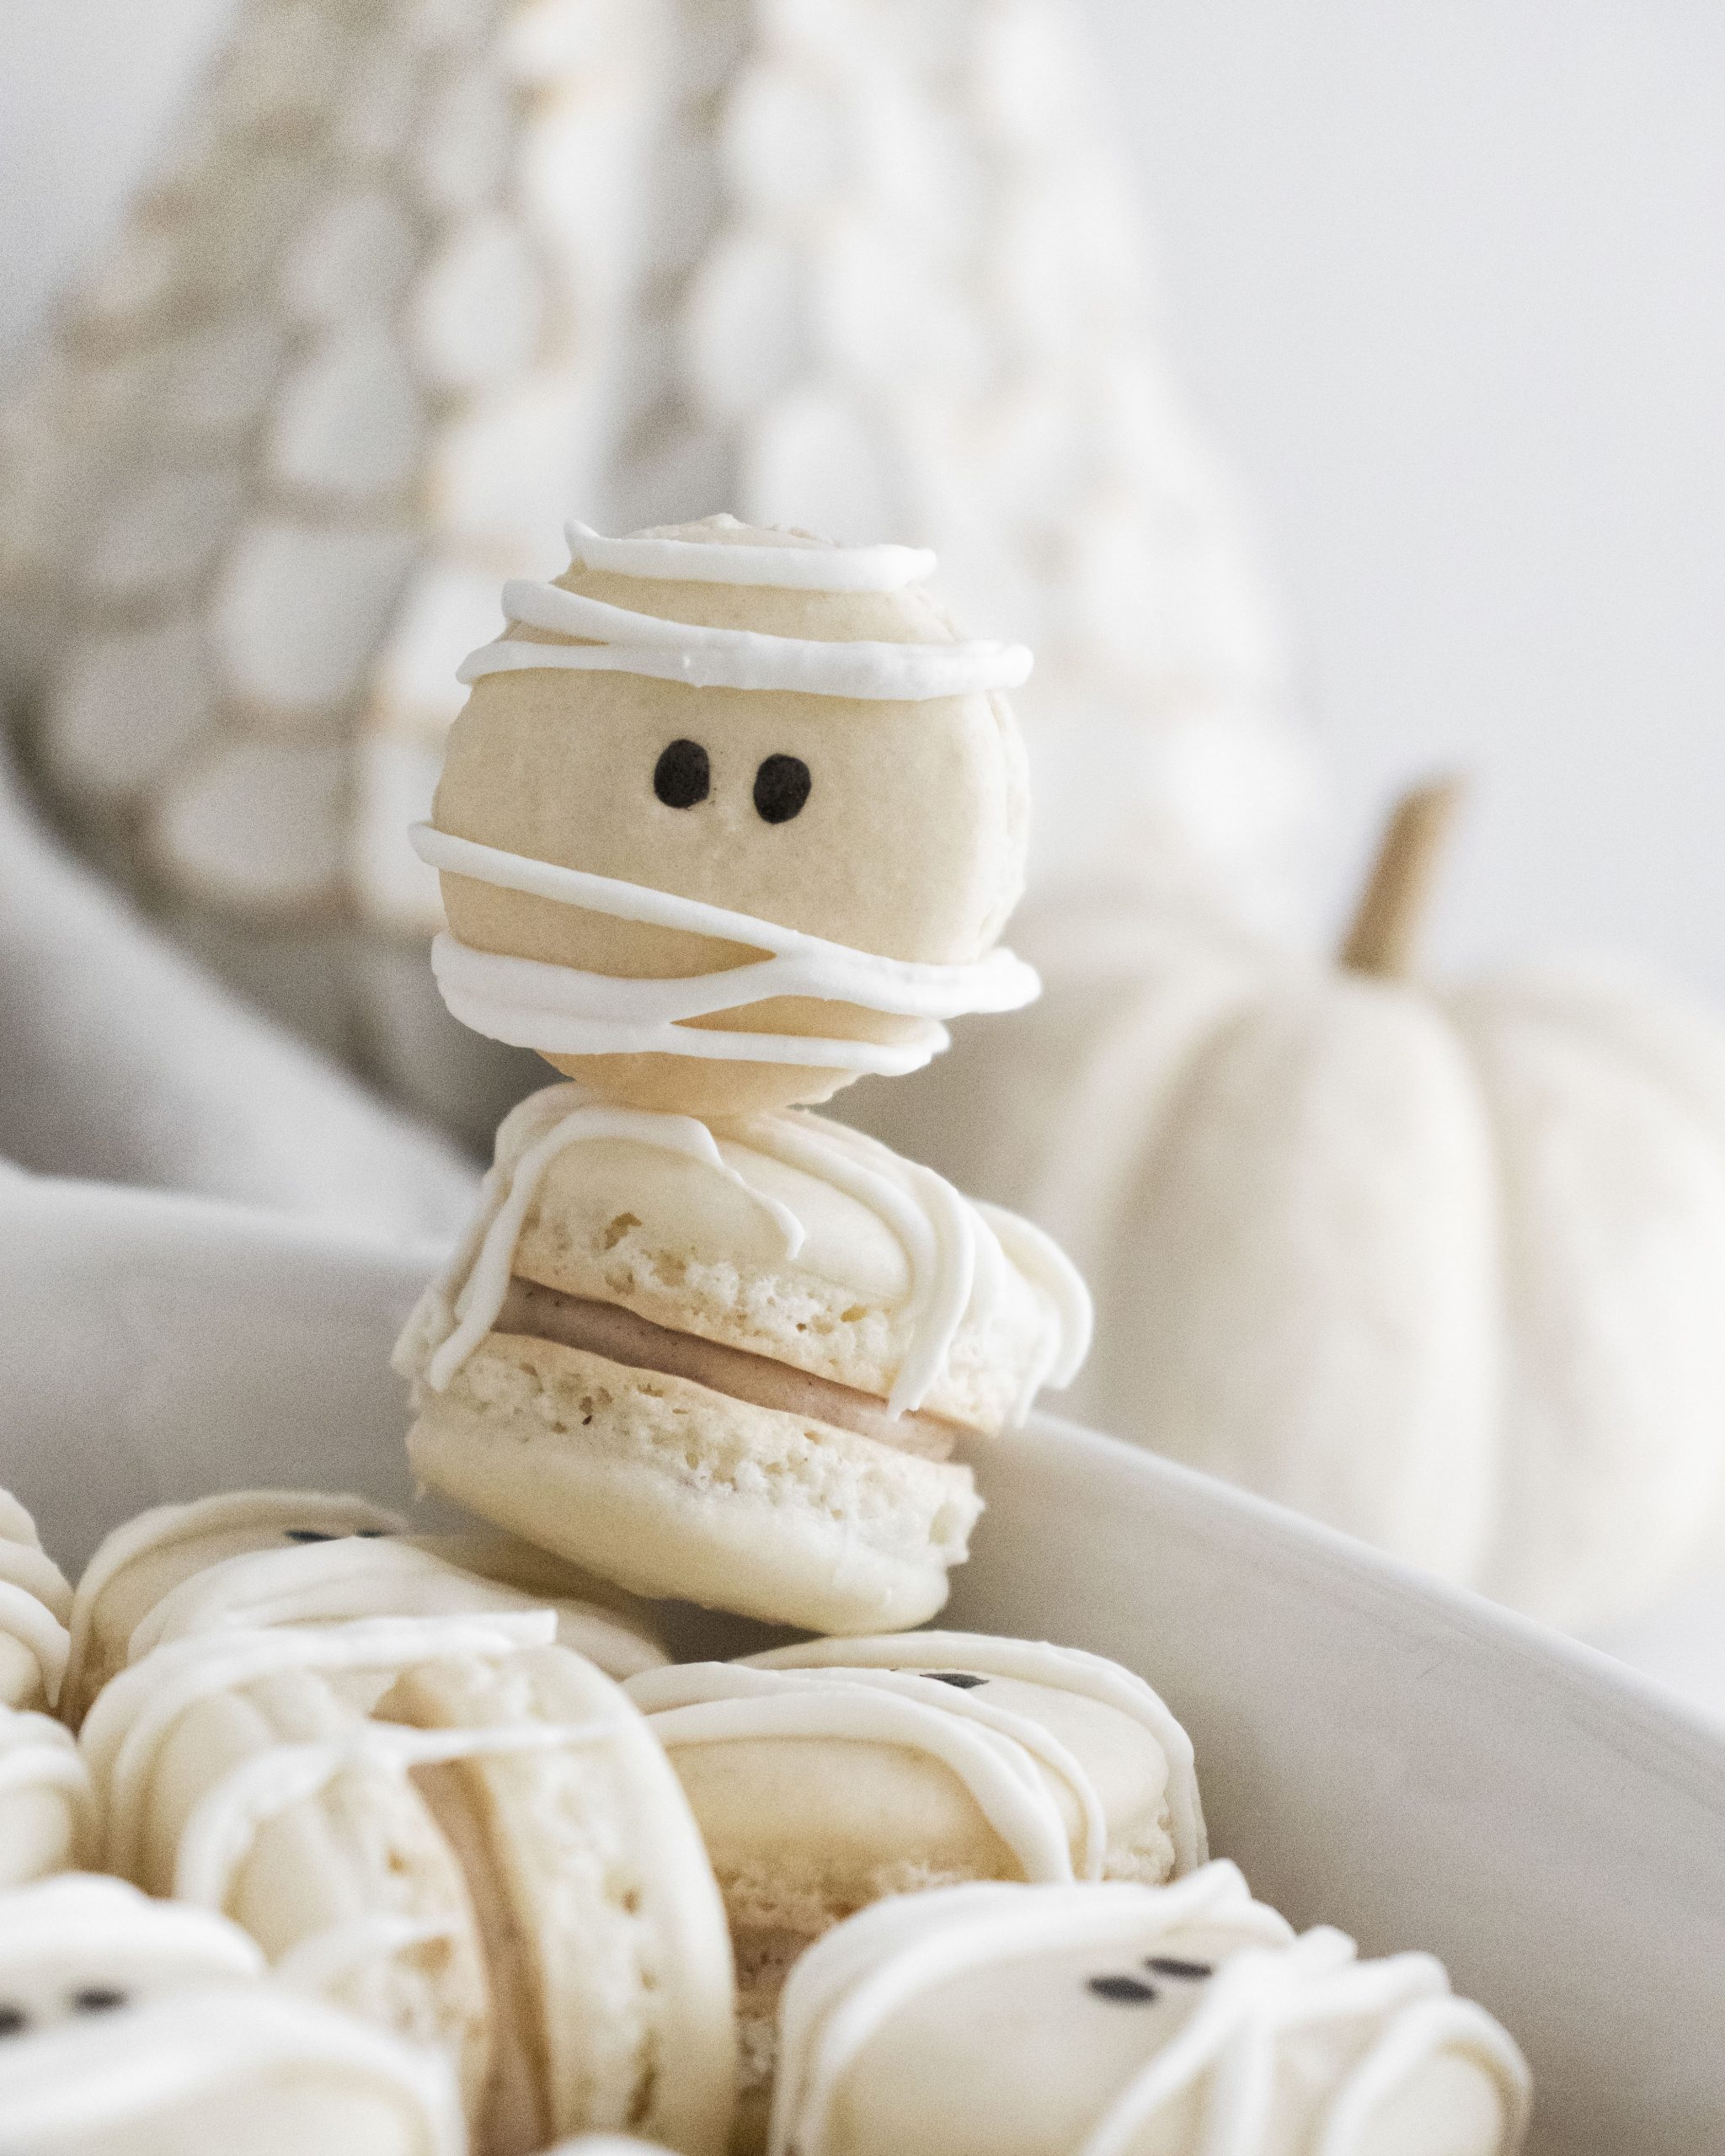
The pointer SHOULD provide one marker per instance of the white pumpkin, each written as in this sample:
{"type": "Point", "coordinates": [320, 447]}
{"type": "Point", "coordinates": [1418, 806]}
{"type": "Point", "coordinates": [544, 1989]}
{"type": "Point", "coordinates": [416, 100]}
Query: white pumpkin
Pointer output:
{"type": "Point", "coordinates": [1442, 1266]}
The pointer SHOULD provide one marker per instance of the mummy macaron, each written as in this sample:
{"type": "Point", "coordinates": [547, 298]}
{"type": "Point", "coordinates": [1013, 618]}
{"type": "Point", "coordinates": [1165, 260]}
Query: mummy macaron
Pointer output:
{"type": "Point", "coordinates": [1129, 2020]}
{"type": "Point", "coordinates": [35, 1601]}
{"type": "Point", "coordinates": [731, 816]}
{"type": "Point", "coordinates": [730, 1362]}
{"type": "Point", "coordinates": [499, 1862]}
{"type": "Point", "coordinates": [256, 1558]}
{"type": "Point", "coordinates": [47, 1816]}
{"type": "Point", "coordinates": [237, 1771]}
{"type": "Point", "coordinates": [136, 2027]}
{"type": "Point", "coordinates": [827, 1777]}
{"type": "Point", "coordinates": [609, 1959]}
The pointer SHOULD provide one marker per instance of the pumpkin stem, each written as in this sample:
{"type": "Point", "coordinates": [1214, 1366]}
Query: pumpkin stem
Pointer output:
{"type": "Point", "coordinates": [1392, 906]}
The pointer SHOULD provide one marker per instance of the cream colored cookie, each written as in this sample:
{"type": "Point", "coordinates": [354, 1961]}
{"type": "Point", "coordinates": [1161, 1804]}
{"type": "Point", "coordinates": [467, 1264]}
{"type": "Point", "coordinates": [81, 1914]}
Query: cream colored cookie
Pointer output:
{"type": "Point", "coordinates": [146, 1558]}
{"type": "Point", "coordinates": [235, 2069]}
{"type": "Point", "coordinates": [825, 1779]}
{"type": "Point", "coordinates": [47, 1818]}
{"type": "Point", "coordinates": [865, 786]}
{"type": "Point", "coordinates": [1129, 2020]}
{"type": "Point", "coordinates": [267, 1557]}
{"type": "Point", "coordinates": [731, 1363]}
{"type": "Point", "coordinates": [605, 1933]}
{"type": "Point", "coordinates": [238, 1770]}
{"type": "Point", "coordinates": [35, 1601]}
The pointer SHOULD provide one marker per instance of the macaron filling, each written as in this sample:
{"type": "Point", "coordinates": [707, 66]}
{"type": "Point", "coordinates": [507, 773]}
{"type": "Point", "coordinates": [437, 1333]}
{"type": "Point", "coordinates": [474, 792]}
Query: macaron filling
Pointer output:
{"type": "Point", "coordinates": [620, 1335]}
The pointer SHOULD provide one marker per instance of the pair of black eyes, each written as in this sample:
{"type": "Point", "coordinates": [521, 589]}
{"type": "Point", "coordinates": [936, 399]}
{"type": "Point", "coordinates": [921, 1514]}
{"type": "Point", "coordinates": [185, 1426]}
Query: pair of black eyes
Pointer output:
{"type": "Point", "coordinates": [316, 1535]}
{"type": "Point", "coordinates": [682, 778]}
{"type": "Point", "coordinates": [1133, 1991]}
{"type": "Point", "coordinates": [96, 1999]}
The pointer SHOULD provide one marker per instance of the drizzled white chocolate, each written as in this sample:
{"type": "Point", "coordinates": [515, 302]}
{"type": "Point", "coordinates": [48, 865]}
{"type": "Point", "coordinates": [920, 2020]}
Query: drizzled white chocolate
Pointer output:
{"type": "Point", "coordinates": [797, 563]}
{"type": "Point", "coordinates": [616, 639]}
{"type": "Point", "coordinates": [35, 1601]}
{"type": "Point", "coordinates": [125, 1731]}
{"type": "Point", "coordinates": [870, 1969]}
{"type": "Point", "coordinates": [160, 2059]}
{"type": "Point", "coordinates": [356, 1576]}
{"type": "Point", "coordinates": [994, 1752]}
{"type": "Point", "coordinates": [952, 1247]}
{"type": "Point", "coordinates": [39, 1756]}
{"type": "Point", "coordinates": [1030, 1661]}
{"type": "Point", "coordinates": [563, 1011]}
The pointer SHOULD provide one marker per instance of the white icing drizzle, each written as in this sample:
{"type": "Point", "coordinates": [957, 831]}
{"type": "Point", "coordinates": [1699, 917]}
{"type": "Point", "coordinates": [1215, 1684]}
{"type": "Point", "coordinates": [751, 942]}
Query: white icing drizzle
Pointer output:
{"type": "Point", "coordinates": [28, 1566]}
{"type": "Point", "coordinates": [952, 1247]}
{"type": "Point", "coordinates": [33, 1624]}
{"type": "Point", "coordinates": [89, 1923]}
{"type": "Point", "coordinates": [867, 1970]}
{"type": "Point", "coordinates": [37, 1753]}
{"type": "Point", "coordinates": [561, 1009]}
{"type": "Point", "coordinates": [992, 1751]}
{"type": "Point", "coordinates": [323, 1959]}
{"type": "Point", "coordinates": [228, 1510]}
{"type": "Point", "coordinates": [1031, 1662]}
{"type": "Point", "coordinates": [781, 568]}
{"type": "Point", "coordinates": [225, 1821]}
{"type": "Point", "coordinates": [358, 1577]}
{"type": "Point", "coordinates": [621, 641]}
{"type": "Point", "coordinates": [123, 1731]}
{"type": "Point", "coordinates": [461, 1305]}
{"type": "Point", "coordinates": [102, 2074]}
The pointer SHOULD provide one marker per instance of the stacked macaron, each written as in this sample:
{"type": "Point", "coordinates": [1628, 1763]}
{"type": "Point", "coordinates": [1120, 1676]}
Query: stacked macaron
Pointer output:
{"type": "Point", "coordinates": [732, 816]}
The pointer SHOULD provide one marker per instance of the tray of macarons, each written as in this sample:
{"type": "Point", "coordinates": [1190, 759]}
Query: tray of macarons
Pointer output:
{"type": "Point", "coordinates": [649, 1676]}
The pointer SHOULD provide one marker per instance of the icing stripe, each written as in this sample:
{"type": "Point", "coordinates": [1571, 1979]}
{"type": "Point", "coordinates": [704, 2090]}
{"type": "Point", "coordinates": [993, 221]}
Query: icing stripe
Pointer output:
{"type": "Point", "coordinates": [624, 642]}
{"type": "Point", "coordinates": [226, 1820]}
{"type": "Point", "coordinates": [1031, 1662]}
{"type": "Point", "coordinates": [33, 1624]}
{"type": "Point", "coordinates": [109, 1923]}
{"type": "Point", "coordinates": [123, 1731]}
{"type": "Point", "coordinates": [951, 1251]}
{"type": "Point", "coordinates": [164, 1525]}
{"type": "Point", "coordinates": [779, 567]}
{"type": "Point", "coordinates": [564, 1010]}
{"type": "Point", "coordinates": [988, 1748]}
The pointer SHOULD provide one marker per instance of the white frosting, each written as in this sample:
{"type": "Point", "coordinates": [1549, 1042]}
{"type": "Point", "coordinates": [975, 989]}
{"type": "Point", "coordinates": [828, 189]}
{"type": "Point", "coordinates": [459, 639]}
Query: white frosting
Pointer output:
{"type": "Point", "coordinates": [461, 1305]}
{"type": "Point", "coordinates": [95, 1925]}
{"type": "Point", "coordinates": [993, 1751]}
{"type": "Point", "coordinates": [621, 641]}
{"type": "Point", "coordinates": [101, 2074]}
{"type": "Point", "coordinates": [37, 1753]}
{"type": "Point", "coordinates": [951, 1246]}
{"type": "Point", "coordinates": [125, 1731]}
{"type": "Point", "coordinates": [869, 1969]}
{"type": "Point", "coordinates": [353, 1577]}
{"type": "Point", "coordinates": [563, 1011]}
{"type": "Point", "coordinates": [226, 1512]}
{"type": "Point", "coordinates": [1030, 1661]}
{"type": "Point", "coordinates": [225, 1821]}
{"type": "Point", "coordinates": [30, 1620]}
{"type": "Point", "coordinates": [787, 566]}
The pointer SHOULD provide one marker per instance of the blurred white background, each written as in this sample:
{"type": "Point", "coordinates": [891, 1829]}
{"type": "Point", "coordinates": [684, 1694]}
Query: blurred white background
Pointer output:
{"type": "Point", "coordinates": [1447, 285]}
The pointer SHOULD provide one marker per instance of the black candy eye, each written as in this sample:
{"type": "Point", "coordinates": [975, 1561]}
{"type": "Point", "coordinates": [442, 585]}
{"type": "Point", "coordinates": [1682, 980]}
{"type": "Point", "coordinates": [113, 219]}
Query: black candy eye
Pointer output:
{"type": "Point", "coordinates": [369, 1534]}
{"type": "Point", "coordinates": [781, 786]}
{"type": "Point", "coordinates": [1164, 1965]}
{"type": "Point", "coordinates": [683, 775]}
{"type": "Point", "coordinates": [99, 1998]}
{"type": "Point", "coordinates": [306, 1534]}
{"type": "Point", "coordinates": [1122, 1991]}
{"type": "Point", "coordinates": [12, 2020]}
{"type": "Point", "coordinates": [961, 1680]}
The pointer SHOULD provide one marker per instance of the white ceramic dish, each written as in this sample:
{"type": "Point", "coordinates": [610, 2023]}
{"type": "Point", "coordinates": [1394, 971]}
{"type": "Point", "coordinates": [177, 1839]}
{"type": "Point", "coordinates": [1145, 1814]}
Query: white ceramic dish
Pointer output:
{"type": "Point", "coordinates": [1409, 1763]}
